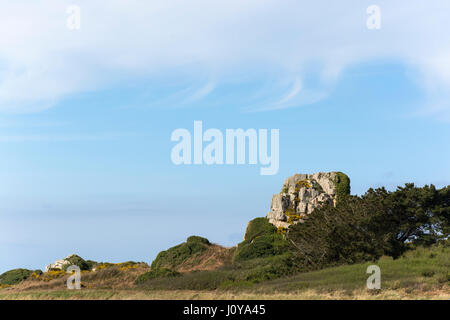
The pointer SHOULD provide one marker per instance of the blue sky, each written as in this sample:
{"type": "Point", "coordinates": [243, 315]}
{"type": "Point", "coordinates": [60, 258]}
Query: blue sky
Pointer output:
{"type": "Point", "coordinates": [86, 116]}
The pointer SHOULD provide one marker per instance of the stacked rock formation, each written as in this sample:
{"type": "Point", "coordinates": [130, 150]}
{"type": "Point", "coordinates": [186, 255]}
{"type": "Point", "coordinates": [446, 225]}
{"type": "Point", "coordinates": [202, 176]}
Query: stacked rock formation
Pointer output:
{"type": "Point", "coordinates": [302, 194]}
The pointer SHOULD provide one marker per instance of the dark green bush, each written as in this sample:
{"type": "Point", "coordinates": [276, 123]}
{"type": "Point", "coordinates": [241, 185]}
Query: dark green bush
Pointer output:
{"type": "Point", "coordinates": [342, 184]}
{"type": "Point", "coordinates": [263, 246]}
{"type": "Point", "coordinates": [91, 264]}
{"type": "Point", "coordinates": [261, 240]}
{"type": "Point", "coordinates": [173, 257]}
{"type": "Point", "coordinates": [156, 273]}
{"type": "Point", "coordinates": [257, 227]}
{"type": "Point", "coordinates": [271, 267]}
{"type": "Point", "coordinates": [197, 239]}
{"type": "Point", "coordinates": [378, 223]}
{"type": "Point", "coordinates": [15, 276]}
{"type": "Point", "coordinates": [77, 261]}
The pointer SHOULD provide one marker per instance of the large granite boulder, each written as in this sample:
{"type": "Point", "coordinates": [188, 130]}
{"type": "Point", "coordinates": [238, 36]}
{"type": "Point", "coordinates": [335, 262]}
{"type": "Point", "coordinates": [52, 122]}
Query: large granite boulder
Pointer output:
{"type": "Point", "coordinates": [303, 193]}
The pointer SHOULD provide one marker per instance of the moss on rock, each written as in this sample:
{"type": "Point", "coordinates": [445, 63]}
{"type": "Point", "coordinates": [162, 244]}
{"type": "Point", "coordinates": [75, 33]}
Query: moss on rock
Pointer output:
{"type": "Point", "coordinates": [342, 184]}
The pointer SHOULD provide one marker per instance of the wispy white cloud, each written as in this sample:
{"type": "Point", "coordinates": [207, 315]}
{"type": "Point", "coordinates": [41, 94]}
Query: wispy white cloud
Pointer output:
{"type": "Point", "coordinates": [42, 62]}
{"type": "Point", "coordinates": [296, 96]}
{"type": "Point", "coordinates": [201, 92]}
{"type": "Point", "coordinates": [297, 86]}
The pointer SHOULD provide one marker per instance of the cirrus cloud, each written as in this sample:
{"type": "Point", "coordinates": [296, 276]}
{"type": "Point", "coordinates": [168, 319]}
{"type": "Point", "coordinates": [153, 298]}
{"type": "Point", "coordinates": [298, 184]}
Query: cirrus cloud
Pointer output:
{"type": "Point", "coordinates": [42, 62]}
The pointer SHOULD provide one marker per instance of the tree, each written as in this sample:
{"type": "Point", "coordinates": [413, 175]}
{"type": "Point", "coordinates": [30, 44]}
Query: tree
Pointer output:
{"type": "Point", "coordinates": [380, 222]}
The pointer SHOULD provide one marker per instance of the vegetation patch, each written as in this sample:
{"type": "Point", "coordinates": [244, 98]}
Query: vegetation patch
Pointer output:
{"type": "Point", "coordinates": [258, 227]}
{"type": "Point", "coordinates": [302, 184]}
{"type": "Point", "coordinates": [414, 270]}
{"type": "Point", "coordinates": [16, 276]}
{"type": "Point", "coordinates": [175, 256]}
{"type": "Point", "coordinates": [378, 223]}
{"type": "Point", "coordinates": [262, 239]}
{"type": "Point", "coordinates": [342, 185]}
{"type": "Point", "coordinates": [75, 260]}
{"type": "Point", "coordinates": [242, 274]}
{"type": "Point", "coordinates": [157, 273]}
{"type": "Point", "coordinates": [266, 245]}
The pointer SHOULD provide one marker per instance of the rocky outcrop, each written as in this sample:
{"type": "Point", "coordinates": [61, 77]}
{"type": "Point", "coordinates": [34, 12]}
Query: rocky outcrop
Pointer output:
{"type": "Point", "coordinates": [59, 264]}
{"type": "Point", "coordinates": [303, 193]}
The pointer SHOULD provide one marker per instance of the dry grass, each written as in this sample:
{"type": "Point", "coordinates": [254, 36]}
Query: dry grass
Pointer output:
{"type": "Point", "coordinates": [114, 277]}
{"type": "Point", "coordinates": [130, 294]}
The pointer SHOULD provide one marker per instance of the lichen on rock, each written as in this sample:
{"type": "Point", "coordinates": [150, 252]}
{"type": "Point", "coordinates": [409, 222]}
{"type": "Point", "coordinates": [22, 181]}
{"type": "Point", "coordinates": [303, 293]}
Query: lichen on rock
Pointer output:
{"type": "Point", "coordinates": [301, 194]}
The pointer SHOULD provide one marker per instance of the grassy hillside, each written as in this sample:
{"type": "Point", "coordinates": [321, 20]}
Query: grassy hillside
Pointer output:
{"type": "Point", "coordinates": [423, 273]}
{"type": "Point", "coordinates": [404, 232]}
{"type": "Point", "coordinates": [420, 270]}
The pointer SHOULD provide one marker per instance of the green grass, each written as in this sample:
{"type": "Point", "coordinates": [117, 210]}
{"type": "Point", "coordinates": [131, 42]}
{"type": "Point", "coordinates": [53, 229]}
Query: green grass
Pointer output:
{"type": "Point", "coordinates": [421, 269]}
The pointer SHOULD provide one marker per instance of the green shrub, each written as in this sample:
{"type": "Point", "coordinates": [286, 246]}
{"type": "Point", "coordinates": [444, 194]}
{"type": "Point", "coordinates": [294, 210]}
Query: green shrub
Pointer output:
{"type": "Point", "coordinates": [173, 257]}
{"type": "Point", "coordinates": [342, 185]}
{"type": "Point", "coordinates": [103, 274]}
{"type": "Point", "coordinates": [77, 261]}
{"type": "Point", "coordinates": [261, 240]}
{"type": "Point", "coordinates": [197, 239]}
{"type": "Point", "coordinates": [257, 227]}
{"type": "Point", "coordinates": [363, 228]}
{"type": "Point", "coordinates": [156, 273]}
{"type": "Point", "coordinates": [262, 246]}
{"type": "Point", "coordinates": [265, 268]}
{"type": "Point", "coordinates": [91, 264]}
{"type": "Point", "coordinates": [16, 276]}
